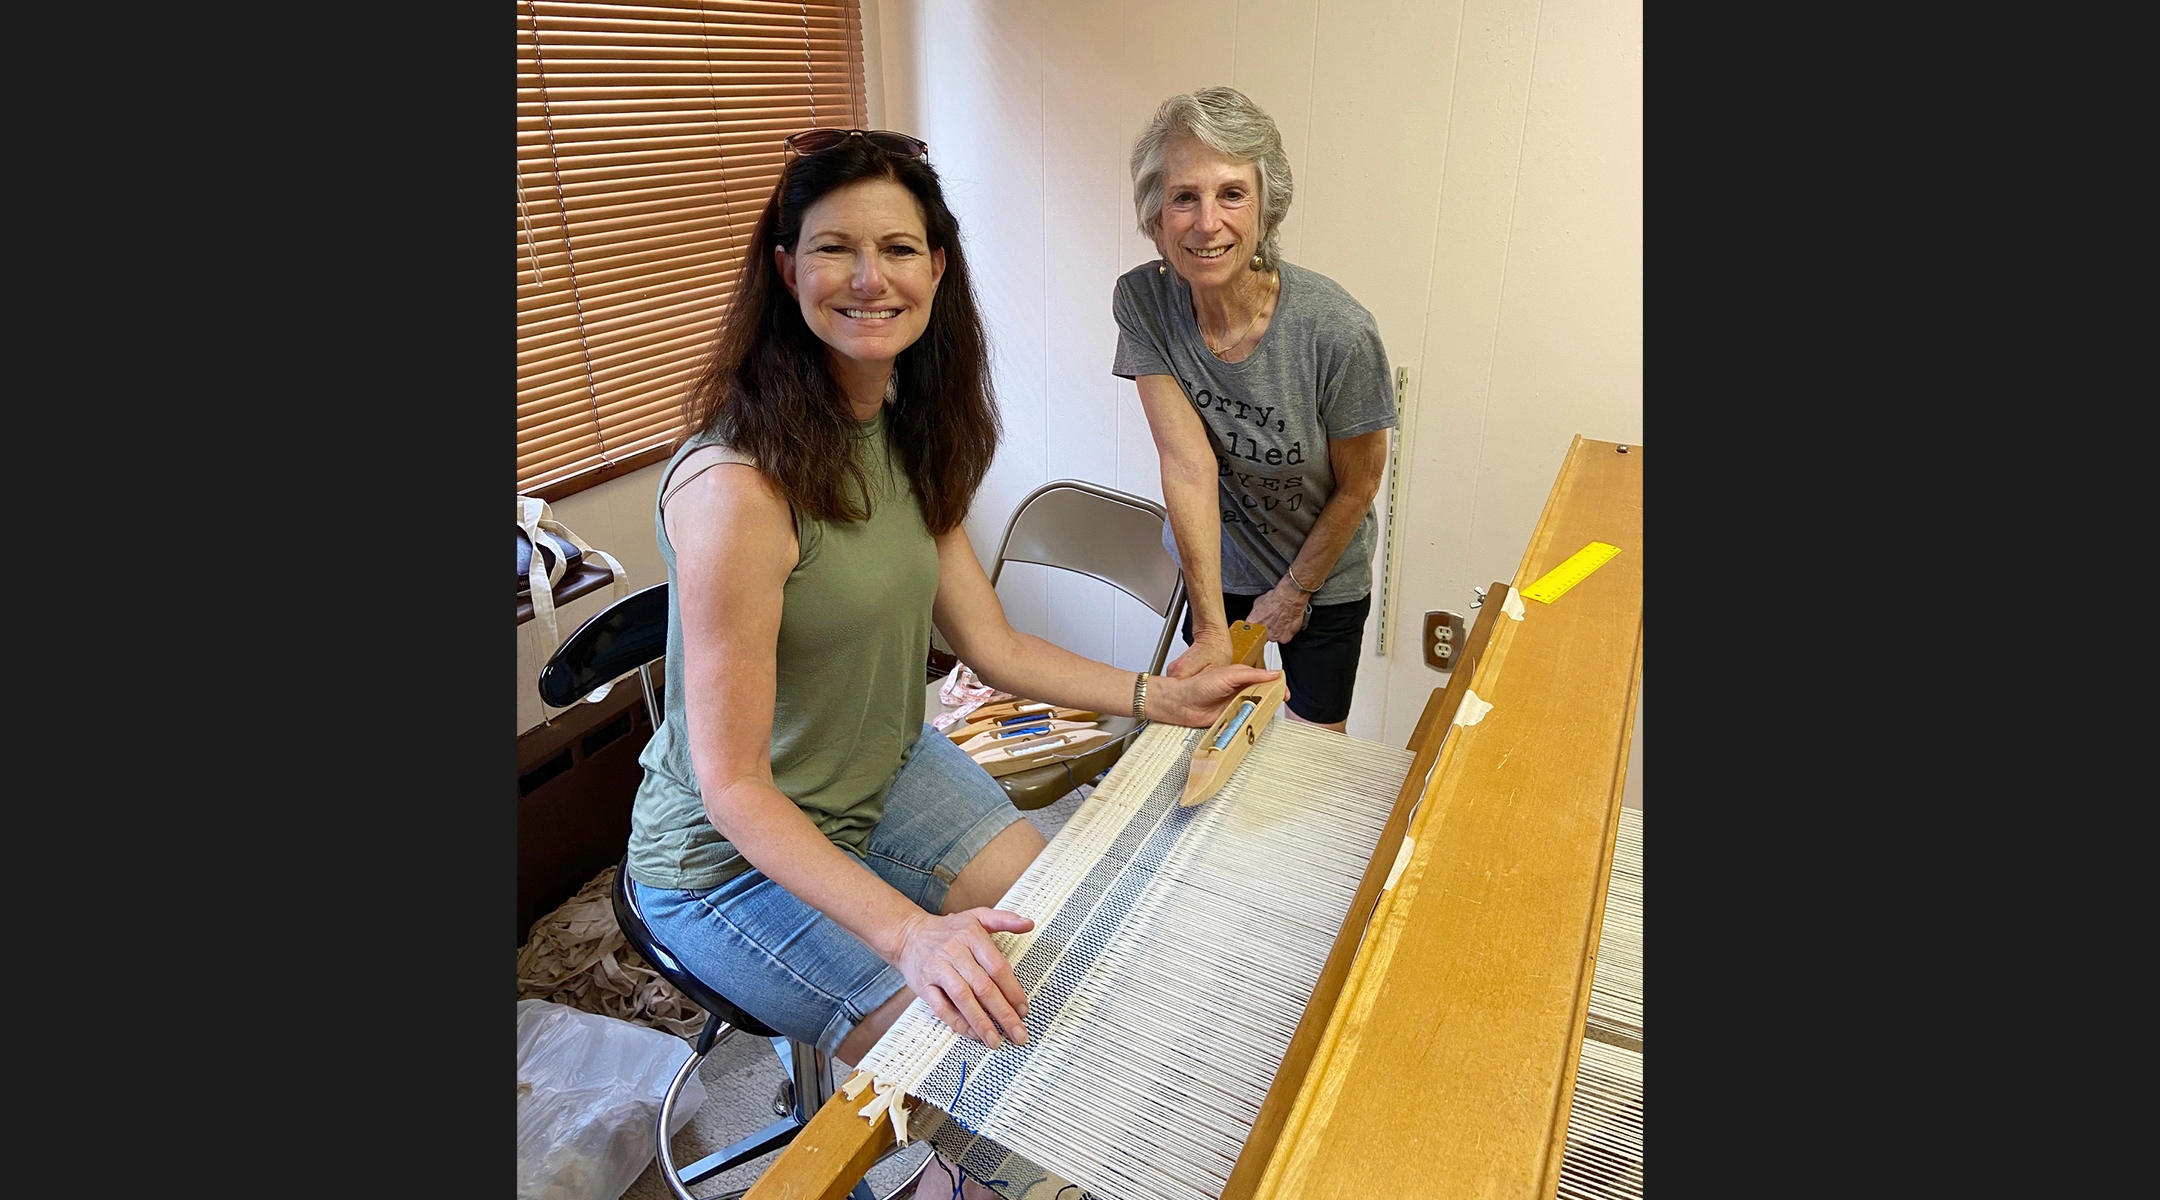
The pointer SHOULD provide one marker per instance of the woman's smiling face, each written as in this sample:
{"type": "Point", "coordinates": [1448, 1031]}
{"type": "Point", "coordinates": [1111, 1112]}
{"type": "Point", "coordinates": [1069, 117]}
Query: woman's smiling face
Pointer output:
{"type": "Point", "coordinates": [1210, 214]}
{"type": "Point", "coordinates": [863, 270]}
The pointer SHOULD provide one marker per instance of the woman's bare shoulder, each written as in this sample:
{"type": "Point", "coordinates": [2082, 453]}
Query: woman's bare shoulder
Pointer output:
{"type": "Point", "coordinates": [719, 492]}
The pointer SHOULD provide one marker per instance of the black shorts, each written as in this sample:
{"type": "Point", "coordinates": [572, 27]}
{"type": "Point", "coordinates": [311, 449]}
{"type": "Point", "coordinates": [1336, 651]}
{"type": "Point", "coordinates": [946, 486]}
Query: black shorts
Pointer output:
{"type": "Point", "coordinates": [1320, 663]}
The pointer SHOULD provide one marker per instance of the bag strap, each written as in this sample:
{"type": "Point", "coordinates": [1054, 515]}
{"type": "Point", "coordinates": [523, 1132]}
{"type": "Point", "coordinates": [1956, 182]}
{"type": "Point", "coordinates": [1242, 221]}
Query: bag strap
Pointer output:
{"type": "Point", "coordinates": [621, 581]}
{"type": "Point", "coordinates": [534, 516]}
{"type": "Point", "coordinates": [531, 511]}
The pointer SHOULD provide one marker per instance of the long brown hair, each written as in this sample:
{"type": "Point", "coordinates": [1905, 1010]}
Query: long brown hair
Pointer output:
{"type": "Point", "coordinates": [767, 391]}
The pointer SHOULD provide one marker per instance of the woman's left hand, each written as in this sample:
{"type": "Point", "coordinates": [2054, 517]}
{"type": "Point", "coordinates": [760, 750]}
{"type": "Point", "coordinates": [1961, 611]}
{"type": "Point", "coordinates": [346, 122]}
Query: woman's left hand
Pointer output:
{"type": "Point", "coordinates": [1282, 610]}
{"type": "Point", "coordinates": [1197, 701]}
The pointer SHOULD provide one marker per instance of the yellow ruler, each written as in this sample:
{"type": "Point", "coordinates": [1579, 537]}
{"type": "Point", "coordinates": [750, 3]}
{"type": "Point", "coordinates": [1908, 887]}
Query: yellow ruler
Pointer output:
{"type": "Point", "coordinates": [1555, 583]}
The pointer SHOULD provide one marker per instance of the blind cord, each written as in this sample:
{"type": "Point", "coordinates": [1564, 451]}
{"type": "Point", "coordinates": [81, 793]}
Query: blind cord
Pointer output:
{"type": "Point", "coordinates": [525, 224]}
{"type": "Point", "coordinates": [712, 93]}
{"type": "Point", "coordinates": [809, 76]}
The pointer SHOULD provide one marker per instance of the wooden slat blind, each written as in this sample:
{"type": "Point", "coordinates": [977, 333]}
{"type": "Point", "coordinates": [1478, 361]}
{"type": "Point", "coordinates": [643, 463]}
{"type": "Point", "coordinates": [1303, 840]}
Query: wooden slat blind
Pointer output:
{"type": "Point", "coordinates": [648, 140]}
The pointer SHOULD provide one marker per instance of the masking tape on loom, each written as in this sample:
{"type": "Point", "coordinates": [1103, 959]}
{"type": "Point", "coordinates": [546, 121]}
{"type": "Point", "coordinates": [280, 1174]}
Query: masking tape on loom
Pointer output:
{"type": "Point", "coordinates": [1402, 859]}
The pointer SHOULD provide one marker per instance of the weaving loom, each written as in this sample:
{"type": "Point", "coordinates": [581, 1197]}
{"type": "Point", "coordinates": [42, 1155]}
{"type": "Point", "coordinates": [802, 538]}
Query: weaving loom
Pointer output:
{"type": "Point", "coordinates": [1400, 1009]}
{"type": "Point", "coordinates": [1173, 952]}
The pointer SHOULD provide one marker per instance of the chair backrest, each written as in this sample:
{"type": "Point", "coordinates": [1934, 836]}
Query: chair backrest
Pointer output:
{"type": "Point", "coordinates": [1102, 533]}
{"type": "Point", "coordinates": [619, 639]}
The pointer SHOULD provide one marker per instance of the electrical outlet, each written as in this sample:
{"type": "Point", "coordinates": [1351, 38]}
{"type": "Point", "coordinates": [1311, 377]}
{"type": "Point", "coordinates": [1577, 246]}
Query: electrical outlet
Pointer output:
{"type": "Point", "coordinates": [1444, 636]}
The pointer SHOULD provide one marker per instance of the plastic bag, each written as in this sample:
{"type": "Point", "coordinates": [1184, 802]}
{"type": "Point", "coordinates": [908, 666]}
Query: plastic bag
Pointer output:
{"type": "Point", "coordinates": [588, 1096]}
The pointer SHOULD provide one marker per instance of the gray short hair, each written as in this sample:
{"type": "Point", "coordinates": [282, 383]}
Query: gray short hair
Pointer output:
{"type": "Point", "coordinates": [1223, 120]}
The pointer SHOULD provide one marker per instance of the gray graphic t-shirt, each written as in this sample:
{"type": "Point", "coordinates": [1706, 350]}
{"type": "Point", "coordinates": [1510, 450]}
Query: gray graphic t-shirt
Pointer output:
{"type": "Point", "coordinates": [1318, 375]}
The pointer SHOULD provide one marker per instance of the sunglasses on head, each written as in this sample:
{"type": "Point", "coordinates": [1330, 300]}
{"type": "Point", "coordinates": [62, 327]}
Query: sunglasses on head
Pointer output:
{"type": "Point", "coordinates": [811, 141]}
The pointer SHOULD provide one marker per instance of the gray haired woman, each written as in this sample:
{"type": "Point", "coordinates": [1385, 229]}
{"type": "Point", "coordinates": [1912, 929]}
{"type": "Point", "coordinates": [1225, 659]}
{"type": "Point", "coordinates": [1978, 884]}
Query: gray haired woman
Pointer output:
{"type": "Point", "coordinates": [1267, 391]}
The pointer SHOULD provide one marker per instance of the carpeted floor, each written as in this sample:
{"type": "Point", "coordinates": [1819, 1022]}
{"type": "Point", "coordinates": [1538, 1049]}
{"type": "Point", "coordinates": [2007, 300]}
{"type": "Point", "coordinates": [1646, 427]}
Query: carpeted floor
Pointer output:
{"type": "Point", "coordinates": [741, 1076]}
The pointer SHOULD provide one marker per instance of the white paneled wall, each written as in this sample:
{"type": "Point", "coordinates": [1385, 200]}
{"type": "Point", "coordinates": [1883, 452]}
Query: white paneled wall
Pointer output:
{"type": "Point", "coordinates": [1470, 171]}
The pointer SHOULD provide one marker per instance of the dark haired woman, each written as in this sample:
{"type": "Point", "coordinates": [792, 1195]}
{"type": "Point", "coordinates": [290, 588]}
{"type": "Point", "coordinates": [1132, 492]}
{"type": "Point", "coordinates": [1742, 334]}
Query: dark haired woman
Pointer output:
{"type": "Point", "coordinates": [800, 834]}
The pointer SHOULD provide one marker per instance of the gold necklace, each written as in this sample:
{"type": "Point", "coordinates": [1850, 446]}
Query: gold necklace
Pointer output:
{"type": "Point", "coordinates": [1241, 337]}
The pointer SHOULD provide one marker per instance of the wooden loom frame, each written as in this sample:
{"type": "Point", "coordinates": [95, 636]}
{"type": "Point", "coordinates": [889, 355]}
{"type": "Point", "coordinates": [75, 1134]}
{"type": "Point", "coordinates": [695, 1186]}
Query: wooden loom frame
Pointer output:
{"type": "Point", "coordinates": [1437, 1054]}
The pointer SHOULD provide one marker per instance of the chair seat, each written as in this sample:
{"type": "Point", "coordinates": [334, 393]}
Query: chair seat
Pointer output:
{"type": "Point", "coordinates": [1040, 787]}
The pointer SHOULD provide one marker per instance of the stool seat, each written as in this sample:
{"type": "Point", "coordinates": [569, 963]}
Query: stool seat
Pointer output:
{"type": "Point", "coordinates": [635, 931]}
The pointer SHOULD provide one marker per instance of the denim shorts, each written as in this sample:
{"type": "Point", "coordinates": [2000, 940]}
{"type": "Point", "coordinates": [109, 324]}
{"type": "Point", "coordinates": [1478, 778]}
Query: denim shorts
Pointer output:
{"type": "Point", "coordinates": [792, 967]}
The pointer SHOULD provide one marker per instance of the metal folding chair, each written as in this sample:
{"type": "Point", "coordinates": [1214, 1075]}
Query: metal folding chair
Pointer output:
{"type": "Point", "coordinates": [1108, 535]}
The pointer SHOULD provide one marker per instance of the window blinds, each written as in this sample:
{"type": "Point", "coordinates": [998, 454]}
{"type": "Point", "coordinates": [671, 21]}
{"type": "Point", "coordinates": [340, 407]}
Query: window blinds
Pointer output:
{"type": "Point", "coordinates": [648, 140]}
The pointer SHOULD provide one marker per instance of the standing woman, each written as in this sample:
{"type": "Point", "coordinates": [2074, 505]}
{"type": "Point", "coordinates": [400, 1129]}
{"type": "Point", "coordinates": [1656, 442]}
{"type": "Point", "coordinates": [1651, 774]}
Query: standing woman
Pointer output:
{"type": "Point", "coordinates": [1266, 388]}
{"type": "Point", "coordinates": [801, 839]}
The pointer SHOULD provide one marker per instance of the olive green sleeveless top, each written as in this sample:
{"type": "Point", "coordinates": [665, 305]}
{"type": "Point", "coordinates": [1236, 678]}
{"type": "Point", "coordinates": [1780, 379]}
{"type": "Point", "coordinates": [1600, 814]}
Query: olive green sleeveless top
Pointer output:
{"type": "Point", "coordinates": [854, 634]}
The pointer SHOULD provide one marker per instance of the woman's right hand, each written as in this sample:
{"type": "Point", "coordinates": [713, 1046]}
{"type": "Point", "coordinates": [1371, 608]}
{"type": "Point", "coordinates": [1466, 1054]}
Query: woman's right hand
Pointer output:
{"type": "Point", "coordinates": [952, 966]}
{"type": "Point", "coordinates": [1196, 702]}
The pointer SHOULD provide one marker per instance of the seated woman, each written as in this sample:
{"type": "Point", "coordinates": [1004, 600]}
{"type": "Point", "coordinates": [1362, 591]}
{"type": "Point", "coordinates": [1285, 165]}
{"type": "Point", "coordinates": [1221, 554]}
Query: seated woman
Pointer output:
{"type": "Point", "coordinates": [801, 838]}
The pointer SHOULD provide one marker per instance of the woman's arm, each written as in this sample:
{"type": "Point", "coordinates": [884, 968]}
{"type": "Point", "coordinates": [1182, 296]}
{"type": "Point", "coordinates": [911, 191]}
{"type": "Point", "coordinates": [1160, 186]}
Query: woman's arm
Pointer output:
{"type": "Point", "coordinates": [734, 540]}
{"type": "Point", "coordinates": [1358, 463]}
{"type": "Point", "coordinates": [1193, 498]}
{"type": "Point", "coordinates": [973, 621]}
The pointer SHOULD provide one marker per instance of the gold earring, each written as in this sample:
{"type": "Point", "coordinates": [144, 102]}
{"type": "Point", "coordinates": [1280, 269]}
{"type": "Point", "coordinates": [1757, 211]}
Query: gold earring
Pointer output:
{"type": "Point", "coordinates": [1256, 263]}
{"type": "Point", "coordinates": [1162, 269]}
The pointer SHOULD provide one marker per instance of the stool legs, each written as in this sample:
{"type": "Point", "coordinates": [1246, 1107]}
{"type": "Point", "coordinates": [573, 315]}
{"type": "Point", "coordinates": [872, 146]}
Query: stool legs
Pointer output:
{"type": "Point", "coordinates": [814, 1083]}
{"type": "Point", "coordinates": [812, 1074]}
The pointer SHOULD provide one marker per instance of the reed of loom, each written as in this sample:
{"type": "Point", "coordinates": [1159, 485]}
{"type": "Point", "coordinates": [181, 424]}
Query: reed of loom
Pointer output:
{"type": "Point", "coordinates": [1481, 951]}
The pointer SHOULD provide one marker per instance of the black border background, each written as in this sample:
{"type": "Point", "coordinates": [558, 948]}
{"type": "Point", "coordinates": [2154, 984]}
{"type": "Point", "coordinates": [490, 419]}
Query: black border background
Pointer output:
{"type": "Point", "coordinates": [353, 215]}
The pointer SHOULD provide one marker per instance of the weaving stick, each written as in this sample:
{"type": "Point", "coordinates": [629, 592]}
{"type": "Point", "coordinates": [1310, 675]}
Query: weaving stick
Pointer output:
{"type": "Point", "coordinates": [1230, 739]}
{"type": "Point", "coordinates": [977, 724]}
{"type": "Point", "coordinates": [1215, 765]}
{"type": "Point", "coordinates": [1007, 736]}
{"type": "Point", "coordinates": [1212, 767]}
{"type": "Point", "coordinates": [990, 713]}
{"type": "Point", "coordinates": [1055, 747]}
